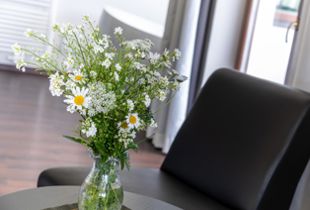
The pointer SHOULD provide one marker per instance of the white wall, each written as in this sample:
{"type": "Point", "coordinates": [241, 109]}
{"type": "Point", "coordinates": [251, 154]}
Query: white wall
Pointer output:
{"type": "Point", "coordinates": [225, 35]}
{"type": "Point", "coordinates": [72, 10]}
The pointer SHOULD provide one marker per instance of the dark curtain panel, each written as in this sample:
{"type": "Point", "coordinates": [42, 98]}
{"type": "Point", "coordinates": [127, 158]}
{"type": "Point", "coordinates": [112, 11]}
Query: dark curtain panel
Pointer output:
{"type": "Point", "coordinates": [200, 51]}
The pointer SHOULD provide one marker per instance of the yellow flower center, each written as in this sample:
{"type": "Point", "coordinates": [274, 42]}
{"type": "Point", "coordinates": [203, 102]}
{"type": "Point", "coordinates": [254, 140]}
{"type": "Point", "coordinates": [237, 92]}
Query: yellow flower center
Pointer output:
{"type": "Point", "coordinates": [78, 77]}
{"type": "Point", "coordinates": [79, 100]}
{"type": "Point", "coordinates": [132, 119]}
{"type": "Point", "coordinates": [124, 125]}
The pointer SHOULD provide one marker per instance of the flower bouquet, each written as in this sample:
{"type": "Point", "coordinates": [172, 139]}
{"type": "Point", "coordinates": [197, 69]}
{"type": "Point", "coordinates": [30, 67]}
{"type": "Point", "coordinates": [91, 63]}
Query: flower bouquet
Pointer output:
{"type": "Point", "coordinates": [110, 82]}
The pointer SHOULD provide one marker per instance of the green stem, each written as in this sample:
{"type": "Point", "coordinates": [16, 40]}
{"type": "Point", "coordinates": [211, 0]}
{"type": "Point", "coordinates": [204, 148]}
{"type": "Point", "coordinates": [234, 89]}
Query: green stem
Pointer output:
{"type": "Point", "coordinates": [48, 43]}
{"type": "Point", "coordinates": [37, 56]}
{"type": "Point", "coordinates": [80, 48]}
{"type": "Point", "coordinates": [115, 194]}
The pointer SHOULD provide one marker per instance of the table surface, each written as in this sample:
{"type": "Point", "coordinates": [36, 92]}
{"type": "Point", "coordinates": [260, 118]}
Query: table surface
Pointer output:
{"type": "Point", "coordinates": [47, 197]}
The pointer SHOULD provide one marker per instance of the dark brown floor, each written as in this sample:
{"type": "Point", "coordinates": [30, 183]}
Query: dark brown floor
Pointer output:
{"type": "Point", "coordinates": [32, 123]}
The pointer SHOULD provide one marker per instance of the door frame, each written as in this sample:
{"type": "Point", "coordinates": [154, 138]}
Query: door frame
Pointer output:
{"type": "Point", "coordinates": [246, 37]}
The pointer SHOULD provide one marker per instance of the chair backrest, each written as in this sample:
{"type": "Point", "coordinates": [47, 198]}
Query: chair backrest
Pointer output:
{"type": "Point", "coordinates": [134, 26]}
{"type": "Point", "coordinates": [245, 142]}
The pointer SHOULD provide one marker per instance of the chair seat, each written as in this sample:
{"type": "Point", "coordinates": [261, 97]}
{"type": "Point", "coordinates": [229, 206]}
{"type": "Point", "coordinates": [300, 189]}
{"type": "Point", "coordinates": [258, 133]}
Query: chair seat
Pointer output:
{"type": "Point", "coordinates": [150, 182]}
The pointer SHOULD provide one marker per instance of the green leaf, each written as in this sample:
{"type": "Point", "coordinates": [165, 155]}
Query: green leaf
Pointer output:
{"type": "Point", "coordinates": [76, 139]}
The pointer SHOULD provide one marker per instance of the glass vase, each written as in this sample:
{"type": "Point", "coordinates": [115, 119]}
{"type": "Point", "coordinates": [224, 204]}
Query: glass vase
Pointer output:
{"type": "Point", "coordinates": [102, 189]}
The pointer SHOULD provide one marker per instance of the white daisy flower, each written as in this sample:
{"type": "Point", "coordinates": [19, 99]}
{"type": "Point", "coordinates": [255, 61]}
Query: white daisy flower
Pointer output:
{"type": "Point", "coordinates": [125, 134]}
{"type": "Point", "coordinates": [133, 120]}
{"type": "Point", "coordinates": [118, 31]}
{"type": "Point", "coordinates": [56, 84]}
{"type": "Point", "coordinates": [77, 76]}
{"type": "Point", "coordinates": [123, 126]}
{"type": "Point", "coordinates": [78, 101]}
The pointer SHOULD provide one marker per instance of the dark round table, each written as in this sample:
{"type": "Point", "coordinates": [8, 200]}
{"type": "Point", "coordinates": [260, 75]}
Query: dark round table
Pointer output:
{"type": "Point", "coordinates": [47, 197]}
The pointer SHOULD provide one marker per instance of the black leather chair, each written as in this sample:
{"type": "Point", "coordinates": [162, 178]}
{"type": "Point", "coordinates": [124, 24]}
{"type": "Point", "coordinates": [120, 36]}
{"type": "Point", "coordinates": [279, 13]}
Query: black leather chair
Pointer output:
{"type": "Point", "coordinates": [244, 145]}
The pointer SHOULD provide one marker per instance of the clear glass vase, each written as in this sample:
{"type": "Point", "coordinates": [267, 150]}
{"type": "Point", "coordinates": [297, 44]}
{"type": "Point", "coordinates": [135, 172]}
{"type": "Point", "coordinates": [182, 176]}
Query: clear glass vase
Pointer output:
{"type": "Point", "coordinates": [102, 189]}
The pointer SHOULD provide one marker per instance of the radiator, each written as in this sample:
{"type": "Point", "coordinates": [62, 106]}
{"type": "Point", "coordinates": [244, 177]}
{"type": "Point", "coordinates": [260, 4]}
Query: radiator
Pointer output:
{"type": "Point", "coordinates": [15, 17]}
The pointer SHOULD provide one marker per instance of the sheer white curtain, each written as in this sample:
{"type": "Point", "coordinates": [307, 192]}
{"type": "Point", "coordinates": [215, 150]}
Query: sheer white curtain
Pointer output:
{"type": "Point", "coordinates": [180, 31]}
{"type": "Point", "coordinates": [298, 74]}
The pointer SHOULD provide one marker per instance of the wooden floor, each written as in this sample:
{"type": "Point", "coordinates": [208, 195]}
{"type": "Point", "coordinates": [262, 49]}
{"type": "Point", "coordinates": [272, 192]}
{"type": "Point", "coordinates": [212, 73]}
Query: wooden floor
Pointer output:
{"type": "Point", "coordinates": [32, 123]}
